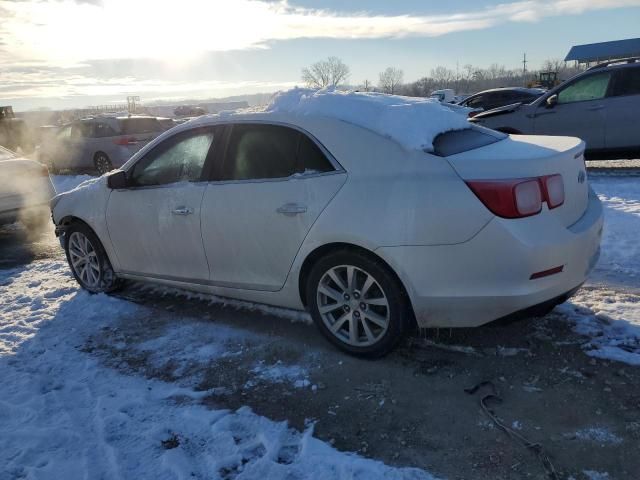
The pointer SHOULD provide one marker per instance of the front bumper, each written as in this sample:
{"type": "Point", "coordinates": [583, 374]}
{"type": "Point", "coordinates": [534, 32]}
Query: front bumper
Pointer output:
{"type": "Point", "coordinates": [489, 276]}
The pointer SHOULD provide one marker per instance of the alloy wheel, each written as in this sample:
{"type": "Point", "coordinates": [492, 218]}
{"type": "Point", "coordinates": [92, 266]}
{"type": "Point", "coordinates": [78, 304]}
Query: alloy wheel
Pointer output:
{"type": "Point", "coordinates": [353, 305]}
{"type": "Point", "coordinates": [84, 260]}
{"type": "Point", "coordinates": [103, 165]}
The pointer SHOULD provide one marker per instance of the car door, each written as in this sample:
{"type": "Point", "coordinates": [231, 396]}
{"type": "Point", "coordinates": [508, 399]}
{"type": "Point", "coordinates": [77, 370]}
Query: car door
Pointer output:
{"type": "Point", "coordinates": [154, 223]}
{"type": "Point", "coordinates": [67, 149]}
{"type": "Point", "coordinates": [623, 109]}
{"type": "Point", "coordinates": [272, 186]}
{"type": "Point", "coordinates": [579, 111]}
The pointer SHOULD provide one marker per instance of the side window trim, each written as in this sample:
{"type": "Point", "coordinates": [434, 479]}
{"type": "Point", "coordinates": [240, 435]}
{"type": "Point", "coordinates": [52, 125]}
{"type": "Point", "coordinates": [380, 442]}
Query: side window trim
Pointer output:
{"type": "Point", "coordinates": [169, 143]}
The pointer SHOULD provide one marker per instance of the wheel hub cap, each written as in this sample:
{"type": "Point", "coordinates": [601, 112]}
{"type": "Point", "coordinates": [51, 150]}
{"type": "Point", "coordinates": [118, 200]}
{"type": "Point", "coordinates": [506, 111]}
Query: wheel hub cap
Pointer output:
{"type": "Point", "coordinates": [84, 260]}
{"type": "Point", "coordinates": [353, 305]}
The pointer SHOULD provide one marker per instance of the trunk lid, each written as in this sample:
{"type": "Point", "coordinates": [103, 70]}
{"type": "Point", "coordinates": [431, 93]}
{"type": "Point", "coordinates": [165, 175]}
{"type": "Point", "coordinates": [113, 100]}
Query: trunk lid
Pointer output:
{"type": "Point", "coordinates": [524, 156]}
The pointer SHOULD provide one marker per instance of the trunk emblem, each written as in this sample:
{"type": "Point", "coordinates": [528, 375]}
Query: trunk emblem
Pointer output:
{"type": "Point", "coordinates": [582, 176]}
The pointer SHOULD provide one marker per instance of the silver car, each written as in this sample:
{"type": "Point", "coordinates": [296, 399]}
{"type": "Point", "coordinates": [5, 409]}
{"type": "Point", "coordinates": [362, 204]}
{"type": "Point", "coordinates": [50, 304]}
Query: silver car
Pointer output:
{"type": "Point", "coordinates": [25, 190]}
{"type": "Point", "coordinates": [601, 106]}
{"type": "Point", "coordinates": [98, 143]}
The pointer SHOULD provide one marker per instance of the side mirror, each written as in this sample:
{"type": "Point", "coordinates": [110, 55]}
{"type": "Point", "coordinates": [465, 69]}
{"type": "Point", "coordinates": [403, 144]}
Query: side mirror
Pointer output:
{"type": "Point", "coordinates": [552, 101]}
{"type": "Point", "coordinates": [117, 179]}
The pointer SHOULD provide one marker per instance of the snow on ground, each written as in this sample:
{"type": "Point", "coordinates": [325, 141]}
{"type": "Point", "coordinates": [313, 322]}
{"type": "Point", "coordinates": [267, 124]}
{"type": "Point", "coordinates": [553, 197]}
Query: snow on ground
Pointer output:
{"type": "Point", "coordinates": [412, 122]}
{"type": "Point", "coordinates": [64, 414]}
{"type": "Point", "coordinates": [610, 317]}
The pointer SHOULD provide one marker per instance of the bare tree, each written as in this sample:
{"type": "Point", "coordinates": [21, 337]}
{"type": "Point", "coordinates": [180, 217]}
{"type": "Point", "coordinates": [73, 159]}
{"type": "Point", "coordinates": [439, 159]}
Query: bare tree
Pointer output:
{"type": "Point", "coordinates": [326, 73]}
{"type": "Point", "coordinates": [390, 80]}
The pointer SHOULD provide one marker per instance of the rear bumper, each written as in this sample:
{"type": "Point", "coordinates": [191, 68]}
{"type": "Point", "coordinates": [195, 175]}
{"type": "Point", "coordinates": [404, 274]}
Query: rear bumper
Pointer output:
{"type": "Point", "coordinates": [489, 276]}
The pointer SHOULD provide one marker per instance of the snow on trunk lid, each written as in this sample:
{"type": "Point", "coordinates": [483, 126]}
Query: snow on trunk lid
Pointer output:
{"type": "Point", "coordinates": [526, 156]}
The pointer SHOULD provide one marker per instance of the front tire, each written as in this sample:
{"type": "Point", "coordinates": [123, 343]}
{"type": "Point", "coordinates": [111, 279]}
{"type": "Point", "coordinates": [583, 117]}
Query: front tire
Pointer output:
{"type": "Point", "coordinates": [358, 303]}
{"type": "Point", "coordinates": [88, 260]}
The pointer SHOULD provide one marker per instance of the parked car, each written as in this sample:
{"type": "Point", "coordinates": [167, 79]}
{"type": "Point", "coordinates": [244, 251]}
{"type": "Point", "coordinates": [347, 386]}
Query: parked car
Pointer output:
{"type": "Point", "coordinates": [189, 111]}
{"type": "Point", "coordinates": [25, 190]}
{"type": "Point", "coordinates": [499, 97]}
{"type": "Point", "coordinates": [446, 95]}
{"type": "Point", "coordinates": [313, 212]}
{"type": "Point", "coordinates": [601, 106]}
{"type": "Point", "coordinates": [98, 143]}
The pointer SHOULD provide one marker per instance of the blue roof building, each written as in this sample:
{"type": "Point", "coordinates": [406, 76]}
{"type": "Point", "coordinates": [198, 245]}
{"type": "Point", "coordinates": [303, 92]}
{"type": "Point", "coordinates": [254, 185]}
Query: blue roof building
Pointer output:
{"type": "Point", "coordinates": [596, 52]}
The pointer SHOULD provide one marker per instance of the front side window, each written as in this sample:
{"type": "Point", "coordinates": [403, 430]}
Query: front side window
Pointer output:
{"type": "Point", "coordinates": [260, 152]}
{"type": "Point", "coordinates": [594, 87]}
{"type": "Point", "coordinates": [177, 159]}
{"type": "Point", "coordinates": [477, 102]}
{"type": "Point", "coordinates": [626, 82]}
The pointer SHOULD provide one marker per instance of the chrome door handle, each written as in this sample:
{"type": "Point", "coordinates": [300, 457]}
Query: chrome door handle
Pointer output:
{"type": "Point", "coordinates": [291, 209]}
{"type": "Point", "coordinates": [596, 107]}
{"type": "Point", "coordinates": [182, 211]}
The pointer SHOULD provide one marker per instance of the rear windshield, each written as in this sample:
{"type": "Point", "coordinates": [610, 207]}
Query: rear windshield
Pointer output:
{"type": "Point", "coordinates": [458, 141]}
{"type": "Point", "coordinates": [130, 126]}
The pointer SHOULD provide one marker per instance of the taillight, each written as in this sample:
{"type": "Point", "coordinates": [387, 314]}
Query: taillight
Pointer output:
{"type": "Point", "coordinates": [473, 113]}
{"type": "Point", "coordinates": [125, 141]}
{"type": "Point", "coordinates": [509, 198]}
{"type": "Point", "coordinates": [521, 197]}
{"type": "Point", "coordinates": [554, 190]}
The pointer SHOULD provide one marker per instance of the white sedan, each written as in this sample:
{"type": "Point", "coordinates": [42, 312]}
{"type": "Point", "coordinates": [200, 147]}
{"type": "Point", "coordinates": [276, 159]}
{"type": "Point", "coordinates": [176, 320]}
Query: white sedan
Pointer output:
{"type": "Point", "coordinates": [344, 205]}
{"type": "Point", "coordinates": [25, 190]}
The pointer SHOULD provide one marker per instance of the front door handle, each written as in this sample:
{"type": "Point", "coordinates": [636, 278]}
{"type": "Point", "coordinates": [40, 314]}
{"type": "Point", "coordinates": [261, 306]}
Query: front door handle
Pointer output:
{"type": "Point", "coordinates": [182, 211]}
{"type": "Point", "coordinates": [292, 209]}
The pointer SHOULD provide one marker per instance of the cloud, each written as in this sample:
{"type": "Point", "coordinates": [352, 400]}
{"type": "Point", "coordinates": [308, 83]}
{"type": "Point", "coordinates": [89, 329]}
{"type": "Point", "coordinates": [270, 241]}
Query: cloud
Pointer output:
{"type": "Point", "coordinates": [68, 31]}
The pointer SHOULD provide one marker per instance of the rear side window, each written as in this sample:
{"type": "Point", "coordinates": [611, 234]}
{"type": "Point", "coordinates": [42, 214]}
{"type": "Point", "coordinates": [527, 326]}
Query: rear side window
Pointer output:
{"type": "Point", "coordinates": [260, 151]}
{"type": "Point", "coordinates": [458, 141]}
{"type": "Point", "coordinates": [626, 82]}
{"type": "Point", "coordinates": [101, 130]}
{"type": "Point", "coordinates": [133, 125]}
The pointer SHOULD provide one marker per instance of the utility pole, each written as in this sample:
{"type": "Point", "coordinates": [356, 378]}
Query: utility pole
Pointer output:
{"type": "Point", "coordinates": [524, 69]}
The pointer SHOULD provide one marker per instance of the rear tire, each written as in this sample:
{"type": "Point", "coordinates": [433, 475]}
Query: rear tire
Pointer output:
{"type": "Point", "coordinates": [358, 303]}
{"type": "Point", "coordinates": [102, 163]}
{"type": "Point", "coordinates": [88, 260]}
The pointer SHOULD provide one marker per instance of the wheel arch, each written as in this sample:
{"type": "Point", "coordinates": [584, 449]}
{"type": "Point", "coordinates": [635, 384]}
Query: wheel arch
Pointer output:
{"type": "Point", "coordinates": [324, 250]}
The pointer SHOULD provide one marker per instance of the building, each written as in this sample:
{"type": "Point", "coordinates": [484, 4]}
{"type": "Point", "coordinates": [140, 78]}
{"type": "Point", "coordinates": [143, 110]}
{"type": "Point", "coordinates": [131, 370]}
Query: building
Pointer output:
{"type": "Point", "coordinates": [604, 51]}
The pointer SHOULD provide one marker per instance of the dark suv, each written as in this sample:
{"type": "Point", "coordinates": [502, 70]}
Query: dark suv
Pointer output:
{"type": "Point", "coordinates": [499, 97]}
{"type": "Point", "coordinates": [601, 106]}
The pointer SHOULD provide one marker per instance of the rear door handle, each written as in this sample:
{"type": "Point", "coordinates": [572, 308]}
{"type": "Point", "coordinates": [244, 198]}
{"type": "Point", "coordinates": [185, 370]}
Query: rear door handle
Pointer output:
{"type": "Point", "coordinates": [292, 209]}
{"type": "Point", "coordinates": [596, 107]}
{"type": "Point", "coordinates": [182, 211]}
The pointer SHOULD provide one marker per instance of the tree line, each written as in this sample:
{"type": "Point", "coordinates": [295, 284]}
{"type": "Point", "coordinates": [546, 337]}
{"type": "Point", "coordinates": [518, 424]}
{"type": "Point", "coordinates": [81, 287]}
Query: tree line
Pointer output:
{"type": "Point", "coordinates": [333, 72]}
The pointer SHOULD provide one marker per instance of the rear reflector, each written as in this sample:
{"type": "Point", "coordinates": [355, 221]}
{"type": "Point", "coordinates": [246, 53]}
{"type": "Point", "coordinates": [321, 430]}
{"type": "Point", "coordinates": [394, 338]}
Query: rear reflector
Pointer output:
{"type": "Point", "coordinates": [546, 273]}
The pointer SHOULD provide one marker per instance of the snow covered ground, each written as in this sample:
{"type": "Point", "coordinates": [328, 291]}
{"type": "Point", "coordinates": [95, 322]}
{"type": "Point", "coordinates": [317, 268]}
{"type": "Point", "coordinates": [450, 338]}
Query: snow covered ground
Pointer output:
{"type": "Point", "coordinates": [67, 412]}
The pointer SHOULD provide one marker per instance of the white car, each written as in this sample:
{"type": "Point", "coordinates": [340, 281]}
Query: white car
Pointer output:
{"type": "Point", "coordinates": [25, 190]}
{"type": "Point", "coordinates": [311, 205]}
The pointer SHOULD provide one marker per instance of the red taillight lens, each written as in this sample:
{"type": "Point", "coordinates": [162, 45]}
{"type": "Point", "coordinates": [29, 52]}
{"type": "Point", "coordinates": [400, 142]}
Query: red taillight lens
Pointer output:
{"type": "Point", "coordinates": [473, 114]}
{"type": "Point", "coordinates": [554, 190]}
{"type": "Point", "coordinates": [125, 141]}
{"type": "Point", "coordinates": [522, 197]}
{"type": "Point", "coordinates": [509, 198]}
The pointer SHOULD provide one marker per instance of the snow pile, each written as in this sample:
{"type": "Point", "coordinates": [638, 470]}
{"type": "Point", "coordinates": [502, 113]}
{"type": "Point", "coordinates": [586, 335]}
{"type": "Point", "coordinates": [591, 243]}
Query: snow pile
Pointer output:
{"type": "Point", "coordinates": [66, 415]}
{"type": "Point", "coordinates": [412, 122]}
{"type": "Point", "coordinates": [66, 183]}
{"type": "Point", "coordinates": [597, 435]}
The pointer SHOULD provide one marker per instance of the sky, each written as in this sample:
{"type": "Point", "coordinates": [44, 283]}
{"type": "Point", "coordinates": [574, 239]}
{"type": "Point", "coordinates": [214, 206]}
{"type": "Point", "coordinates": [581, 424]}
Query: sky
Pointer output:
{"type": "Point", "coordinates": [73, 53]}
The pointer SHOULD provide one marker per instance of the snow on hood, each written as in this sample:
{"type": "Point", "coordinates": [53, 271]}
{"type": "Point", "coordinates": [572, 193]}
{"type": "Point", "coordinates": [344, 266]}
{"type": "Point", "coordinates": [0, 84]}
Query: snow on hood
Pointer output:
{"type": "Point", "coordinates": [412, 122]}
